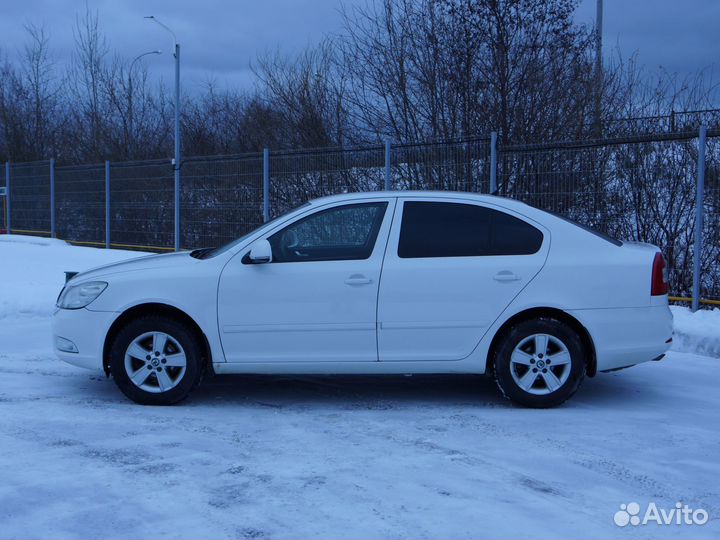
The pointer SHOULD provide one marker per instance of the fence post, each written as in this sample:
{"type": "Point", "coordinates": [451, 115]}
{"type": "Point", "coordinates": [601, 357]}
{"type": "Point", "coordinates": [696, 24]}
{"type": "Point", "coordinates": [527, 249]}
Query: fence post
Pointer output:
{"type": "Point", "coordinates": [176, 205]}
{"type": "Point", "coordinates": [107, 204]}
{"type": "Point", "coordinates": [699, 202]}
{"type": "Point", "coordinates": [493, 163]}
{"type": "Point", "coordinates": [266, 185]}
{"type": "Point", "coordinates": [388, 165]}
{"type": "Point", "coordinates": [8, 198]}
{"type": "Point", "coordinates": [52, 197]}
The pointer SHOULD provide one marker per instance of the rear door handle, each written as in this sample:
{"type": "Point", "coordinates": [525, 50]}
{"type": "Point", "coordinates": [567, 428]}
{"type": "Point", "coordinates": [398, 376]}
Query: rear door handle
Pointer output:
{"type": "Point", "coordinates": [358, 279]}
{"type": "Point", "coordinates": [506, 275]}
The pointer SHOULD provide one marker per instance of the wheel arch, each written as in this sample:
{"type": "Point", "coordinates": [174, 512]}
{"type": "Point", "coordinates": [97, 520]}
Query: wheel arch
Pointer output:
{"type": "Point", "coordinates": [155, 308]}
{"type": "Point", "coordinates": [549, 312]}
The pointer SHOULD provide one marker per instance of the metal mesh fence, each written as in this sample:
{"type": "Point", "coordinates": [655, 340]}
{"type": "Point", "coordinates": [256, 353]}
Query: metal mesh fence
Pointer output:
{"type": "Point", "coordinates": [639, 188]}
{"type": "Point", "coordinates": [80, 203]}
{"type": "Point", "coordinates": [674, 122]}
{"type": "Point", "coordinates": [3, 207]}
{"type": "Point", "coordinates": [635, 190]}
{"type": "Point", "coordinates": [221, 199]}
{"type": "Point", "coordinates": [710, 263]}
{"type": "Point", "coordinates": [141, 204]}
{"type": "Point", "coordinates": [296, 177]}
{"type": "Point", "coordinates": [456, 166]}
{"type": "Point", "coordinates": [30, 195]}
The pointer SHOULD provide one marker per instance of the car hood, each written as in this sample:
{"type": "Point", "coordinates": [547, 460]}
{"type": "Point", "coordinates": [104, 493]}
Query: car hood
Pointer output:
{"type": "Point", "coordinates": [140, 263]}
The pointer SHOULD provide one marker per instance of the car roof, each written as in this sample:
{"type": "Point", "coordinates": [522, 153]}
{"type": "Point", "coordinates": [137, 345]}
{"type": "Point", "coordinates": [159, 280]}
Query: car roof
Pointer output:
{"type": "Point", "coordinates": [412, 194]}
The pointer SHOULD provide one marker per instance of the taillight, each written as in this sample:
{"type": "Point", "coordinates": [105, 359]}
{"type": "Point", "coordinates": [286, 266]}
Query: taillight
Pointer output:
{"type": "Point", "coordinates": [659, 284]}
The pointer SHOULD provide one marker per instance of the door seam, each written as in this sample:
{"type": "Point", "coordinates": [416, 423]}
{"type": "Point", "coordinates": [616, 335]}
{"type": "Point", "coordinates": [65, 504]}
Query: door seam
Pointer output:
{"type": "Point", "coordinates": [382, 266]}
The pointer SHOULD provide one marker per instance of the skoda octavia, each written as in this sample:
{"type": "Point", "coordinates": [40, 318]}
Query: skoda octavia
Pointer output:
{"type": "Point", "coordinates": [387, 282]}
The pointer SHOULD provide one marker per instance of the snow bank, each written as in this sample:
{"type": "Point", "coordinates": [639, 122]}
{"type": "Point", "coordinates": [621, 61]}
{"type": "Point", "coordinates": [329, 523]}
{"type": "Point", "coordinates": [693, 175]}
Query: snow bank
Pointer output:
{"type": "Point", "coordinates": [32, 240]}
{"type": "Point", "coordinates": [32, 271]}
{"type": "Point", "coordinates": [697, 332]}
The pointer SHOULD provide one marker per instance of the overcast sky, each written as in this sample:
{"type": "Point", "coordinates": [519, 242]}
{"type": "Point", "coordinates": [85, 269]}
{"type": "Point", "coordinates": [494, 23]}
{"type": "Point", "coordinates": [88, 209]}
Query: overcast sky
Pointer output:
{"type": "Point", "coordinates": [220, 37]}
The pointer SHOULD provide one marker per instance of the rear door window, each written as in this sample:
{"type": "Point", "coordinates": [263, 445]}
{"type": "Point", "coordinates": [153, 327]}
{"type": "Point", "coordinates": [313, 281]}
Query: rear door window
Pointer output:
{"type": "Point", "coordinates": [446, 229]}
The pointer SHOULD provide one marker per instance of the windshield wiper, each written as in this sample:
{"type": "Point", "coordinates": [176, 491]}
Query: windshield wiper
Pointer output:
{"type": "Point", "coordinates": [201, 253]}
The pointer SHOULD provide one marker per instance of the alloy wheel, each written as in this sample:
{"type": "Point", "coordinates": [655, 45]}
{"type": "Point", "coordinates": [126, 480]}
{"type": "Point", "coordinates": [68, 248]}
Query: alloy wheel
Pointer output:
{"type": "Point", "coordinates": [155, 362]}
{"type": "Point", "coordinates": [540, 364]}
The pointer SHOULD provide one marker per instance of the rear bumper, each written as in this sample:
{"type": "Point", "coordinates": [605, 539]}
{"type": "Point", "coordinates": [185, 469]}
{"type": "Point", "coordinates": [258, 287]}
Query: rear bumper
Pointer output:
{"type": "Point", "coordinates": [86, 330]}
{"type": "Point", "coordinates": [627, 336]}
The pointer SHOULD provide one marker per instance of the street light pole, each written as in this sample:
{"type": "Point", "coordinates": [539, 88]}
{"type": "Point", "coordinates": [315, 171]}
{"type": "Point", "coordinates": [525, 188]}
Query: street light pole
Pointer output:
{"type": "Point", "coordinates": [176, 161]}
{"type": "Point", "coordinates": [130, 97]}
{"type": "Point", "coordinates": [177, 147]}
{"type": "Point", "coordinates": [598, 67]}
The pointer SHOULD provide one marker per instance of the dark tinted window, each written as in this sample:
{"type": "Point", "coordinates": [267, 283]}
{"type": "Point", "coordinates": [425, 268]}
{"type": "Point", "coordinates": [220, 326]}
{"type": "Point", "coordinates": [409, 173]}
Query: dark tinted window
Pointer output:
{"type": "Point", "coordinates": [340, 233]}
{"type": "Point", "coordinates": [435, 229]}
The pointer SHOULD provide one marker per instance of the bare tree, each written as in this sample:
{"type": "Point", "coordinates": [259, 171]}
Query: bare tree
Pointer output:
{"type": "Point", "coordinates": [13, 130]}
{"type": "Point", "coordinates": [42, 91]}
{"type": "Point", "coordinates": [308, 92]}
{"type": "Point", "coordinates": [442, 69]}
{"type": "Point", "coordinates": [86, 82]}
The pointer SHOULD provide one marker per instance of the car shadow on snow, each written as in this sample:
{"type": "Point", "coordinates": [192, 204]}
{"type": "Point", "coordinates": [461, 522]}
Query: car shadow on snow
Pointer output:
{"type": "Point", "coordinates": [372, 391]}
{"type": "Point", "coordinates": [363, 391]}
{"type": "Point", "coordinates": [389, 391]}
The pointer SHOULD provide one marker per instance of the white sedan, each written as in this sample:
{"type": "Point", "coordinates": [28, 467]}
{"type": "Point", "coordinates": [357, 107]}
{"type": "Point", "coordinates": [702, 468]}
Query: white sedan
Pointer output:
{"type": "Point", "coordinates": [386, 283]}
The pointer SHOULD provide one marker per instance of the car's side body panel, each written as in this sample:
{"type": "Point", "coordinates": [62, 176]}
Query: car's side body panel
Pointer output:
{"type": "Point", "coordinates": [439, 308]}
{"type": "Point", "coordinates": [323, 311]}
{"type": "Point", "coordinates": [627, 336]}
{"type": "Point", "coordinates": [621, 337]}
{"type": "Point", "coordinates": [191, 287]}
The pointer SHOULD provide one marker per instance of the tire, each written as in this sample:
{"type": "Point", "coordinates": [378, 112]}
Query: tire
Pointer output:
{"type": "Point", "coordinates": [148, 378]}
{"type": "Point", "coordinates": [528, 346]}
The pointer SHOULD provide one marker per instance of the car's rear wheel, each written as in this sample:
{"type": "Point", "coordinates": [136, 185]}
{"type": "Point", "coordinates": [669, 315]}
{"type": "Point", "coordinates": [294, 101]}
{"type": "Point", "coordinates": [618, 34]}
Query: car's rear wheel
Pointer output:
{"type": "Point", "coordinates": [540, 363]}
{"type": "Point", "coordinates": [156, 360]}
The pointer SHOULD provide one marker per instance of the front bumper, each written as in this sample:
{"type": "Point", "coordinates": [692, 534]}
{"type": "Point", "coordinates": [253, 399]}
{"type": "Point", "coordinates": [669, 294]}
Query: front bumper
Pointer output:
{"type": "Point", "coordinates": [86, 330]}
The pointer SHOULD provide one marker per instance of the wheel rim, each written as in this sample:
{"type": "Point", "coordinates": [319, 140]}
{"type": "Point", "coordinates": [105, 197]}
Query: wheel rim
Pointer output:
{"type": "Point", "coordinates": [155, 362]}
{"type": "Point", "coordinates": [540, 364]}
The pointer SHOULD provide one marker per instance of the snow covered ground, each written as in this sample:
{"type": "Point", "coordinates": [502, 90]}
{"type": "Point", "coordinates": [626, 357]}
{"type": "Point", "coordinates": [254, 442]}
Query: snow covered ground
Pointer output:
{"type": "Point", "coordinates": [340, 457]}
{"type": "Point", "coordinates": [697, 332]}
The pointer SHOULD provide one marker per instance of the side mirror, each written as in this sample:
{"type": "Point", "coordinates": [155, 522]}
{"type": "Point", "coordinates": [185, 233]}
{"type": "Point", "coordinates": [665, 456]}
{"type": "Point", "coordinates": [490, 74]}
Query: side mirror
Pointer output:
{"type": "Point", "coordinates": [260, 253]}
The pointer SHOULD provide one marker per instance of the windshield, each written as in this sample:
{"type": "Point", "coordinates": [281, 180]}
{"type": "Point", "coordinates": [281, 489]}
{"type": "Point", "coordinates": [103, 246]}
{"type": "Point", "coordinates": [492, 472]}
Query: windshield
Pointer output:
{"type": "Point", "coordinates": [222, 249]}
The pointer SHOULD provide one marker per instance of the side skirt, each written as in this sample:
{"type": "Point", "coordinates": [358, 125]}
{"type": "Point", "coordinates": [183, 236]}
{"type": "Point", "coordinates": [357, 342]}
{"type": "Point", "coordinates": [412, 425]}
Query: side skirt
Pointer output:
{"type": "Point", "coordinates": [350, 368]}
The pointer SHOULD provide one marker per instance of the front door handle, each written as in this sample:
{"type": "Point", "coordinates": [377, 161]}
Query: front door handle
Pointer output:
{"type": "Point", "coordinates": [358, 279]}
{"type": "Point", "coordinates": [506, 275]}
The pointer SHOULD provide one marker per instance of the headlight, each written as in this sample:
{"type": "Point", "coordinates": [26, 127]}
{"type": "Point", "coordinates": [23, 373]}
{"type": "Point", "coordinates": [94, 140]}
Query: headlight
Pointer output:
{"type": "Point", "coordinates": [79, 296]}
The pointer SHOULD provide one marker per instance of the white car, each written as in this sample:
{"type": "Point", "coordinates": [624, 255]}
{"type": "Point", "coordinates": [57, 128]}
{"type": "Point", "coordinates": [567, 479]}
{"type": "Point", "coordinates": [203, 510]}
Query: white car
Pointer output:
{"type": "Point", "coordinates": [387, 283]}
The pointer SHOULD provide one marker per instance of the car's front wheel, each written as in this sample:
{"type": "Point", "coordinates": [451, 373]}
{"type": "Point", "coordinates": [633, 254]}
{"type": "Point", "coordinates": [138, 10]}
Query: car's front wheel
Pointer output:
{"type": "Point", "coordinates": [540, 363]}
{"type": "Point", "coordinates": [156, 360]}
